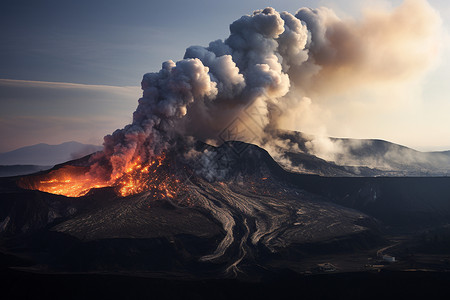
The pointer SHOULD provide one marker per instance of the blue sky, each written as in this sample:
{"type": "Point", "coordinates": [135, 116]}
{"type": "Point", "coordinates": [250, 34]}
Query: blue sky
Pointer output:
{"type": "Point", "coordinates": [98, 51]}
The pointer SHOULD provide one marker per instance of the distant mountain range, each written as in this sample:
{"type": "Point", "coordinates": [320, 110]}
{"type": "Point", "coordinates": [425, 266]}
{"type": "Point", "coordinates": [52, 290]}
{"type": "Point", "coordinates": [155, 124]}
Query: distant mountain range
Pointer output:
{"type": "Point", "coordinates": [31, 159]}
{"type": "Point", "coordinates": [47, 155]}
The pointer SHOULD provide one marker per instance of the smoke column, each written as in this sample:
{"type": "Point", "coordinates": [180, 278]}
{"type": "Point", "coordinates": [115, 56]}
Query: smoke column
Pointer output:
{"type": "Point", "coordinates": [277, 65]}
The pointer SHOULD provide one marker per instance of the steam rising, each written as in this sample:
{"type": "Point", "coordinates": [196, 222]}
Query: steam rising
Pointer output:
{"type": "Point", "coordinates": [275, 69]}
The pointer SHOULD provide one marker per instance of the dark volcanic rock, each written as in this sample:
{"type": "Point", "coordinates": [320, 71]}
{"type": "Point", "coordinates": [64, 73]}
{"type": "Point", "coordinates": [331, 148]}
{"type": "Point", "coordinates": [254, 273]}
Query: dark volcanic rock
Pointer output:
{"type": "Point", "coordinates": [235, 210]}
{"type": "Point", "coordinates": [398, 201]}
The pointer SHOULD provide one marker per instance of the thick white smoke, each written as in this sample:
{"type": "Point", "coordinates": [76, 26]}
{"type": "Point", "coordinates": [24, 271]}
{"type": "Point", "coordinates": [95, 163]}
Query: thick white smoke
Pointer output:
{"type": "Point", "coordinates": [268, 73]}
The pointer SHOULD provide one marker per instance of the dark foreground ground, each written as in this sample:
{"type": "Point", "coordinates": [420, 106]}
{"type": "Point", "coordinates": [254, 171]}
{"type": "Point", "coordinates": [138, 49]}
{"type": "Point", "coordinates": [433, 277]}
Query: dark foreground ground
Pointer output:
{"type": "Point", "coordinates": [286, 236]}
{"type": "Point", "coordinates": [16, 284]}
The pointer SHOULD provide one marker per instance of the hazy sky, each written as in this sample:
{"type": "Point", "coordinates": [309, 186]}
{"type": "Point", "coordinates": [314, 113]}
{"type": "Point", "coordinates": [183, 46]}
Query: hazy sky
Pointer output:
{"type": "Point", "coordinates": [71, 70]}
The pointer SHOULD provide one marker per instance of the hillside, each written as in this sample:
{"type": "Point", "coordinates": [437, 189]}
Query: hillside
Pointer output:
{"type": "Point", "coordinates": [359, 157]}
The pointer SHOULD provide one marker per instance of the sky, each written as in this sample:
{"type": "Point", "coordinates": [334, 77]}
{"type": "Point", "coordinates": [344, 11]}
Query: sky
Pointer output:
{"type": "Point", "coordinates": [71, 70]}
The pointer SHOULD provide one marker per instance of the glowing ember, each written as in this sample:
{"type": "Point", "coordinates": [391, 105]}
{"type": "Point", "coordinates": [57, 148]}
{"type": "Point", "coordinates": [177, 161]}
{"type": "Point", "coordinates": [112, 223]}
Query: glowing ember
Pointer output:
{"type": "Point", "coordinates": [75, 181]}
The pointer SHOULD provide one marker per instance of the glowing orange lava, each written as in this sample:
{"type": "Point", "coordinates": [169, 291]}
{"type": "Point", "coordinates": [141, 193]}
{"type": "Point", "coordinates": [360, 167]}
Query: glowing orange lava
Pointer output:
{"type": "Point", "coordinates": [73, 181]}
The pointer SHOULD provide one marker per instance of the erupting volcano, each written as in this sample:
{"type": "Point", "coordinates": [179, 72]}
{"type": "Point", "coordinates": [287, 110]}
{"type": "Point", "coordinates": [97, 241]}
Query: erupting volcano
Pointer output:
{"type": "Point", "coordinates": [244, 88]}
{"type": "Point", "coordinates": [205, 183]}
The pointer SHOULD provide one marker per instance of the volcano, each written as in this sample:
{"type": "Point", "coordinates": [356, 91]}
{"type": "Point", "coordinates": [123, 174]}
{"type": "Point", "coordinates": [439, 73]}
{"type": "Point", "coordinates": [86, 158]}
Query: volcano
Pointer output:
{"type": "Point", "coordinates": [160, 201]}
{"type": "Point", "coordinates": [252, 216]}
{"type": "Point", "coordinates": [232, 212]}
{"type": "Point", "coordinates": [253, 212]}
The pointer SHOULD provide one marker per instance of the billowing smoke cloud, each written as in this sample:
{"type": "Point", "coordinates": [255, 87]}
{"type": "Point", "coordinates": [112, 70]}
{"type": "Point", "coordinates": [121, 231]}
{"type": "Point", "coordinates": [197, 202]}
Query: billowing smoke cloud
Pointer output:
{"type": "Point", "coordinates": [383, 46]}
{"type": "Point", "coordinates": [271, 69]}
{"type": "Point", "coordinates": [359, 68]}
{"type": "Point", "coordinates": [165, 99]}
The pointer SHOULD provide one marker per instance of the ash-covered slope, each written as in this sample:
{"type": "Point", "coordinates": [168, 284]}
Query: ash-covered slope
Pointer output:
{"type": "Point", "coordinates": [360, 157]}
{"type": "Point", "coordinates": [218, 225]}
{"type": "Point", "coordinates": [233, 209]}
{"type": "Point", "coordinates": [300, 162]}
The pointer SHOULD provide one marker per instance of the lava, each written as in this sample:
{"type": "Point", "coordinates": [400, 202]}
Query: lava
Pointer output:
{"type": "Point", "coordinates": [74, 181]}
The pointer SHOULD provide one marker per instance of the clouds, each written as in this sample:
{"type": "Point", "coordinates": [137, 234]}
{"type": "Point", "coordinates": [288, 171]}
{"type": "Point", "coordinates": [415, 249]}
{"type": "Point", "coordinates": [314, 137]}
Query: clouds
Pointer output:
{"type": "Point", "coordinates": [364, 76]}
{"type": "Point", "coordinates": [383, 46]}
{"type": "Point", "coordinates": [54, 112]}
{"type": "Point", "coordinates": [309, 70]}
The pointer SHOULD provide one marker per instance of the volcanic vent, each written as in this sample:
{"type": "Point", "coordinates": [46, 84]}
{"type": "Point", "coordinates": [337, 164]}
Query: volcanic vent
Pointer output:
{"type": "Point", "coordinates": [74, 180]}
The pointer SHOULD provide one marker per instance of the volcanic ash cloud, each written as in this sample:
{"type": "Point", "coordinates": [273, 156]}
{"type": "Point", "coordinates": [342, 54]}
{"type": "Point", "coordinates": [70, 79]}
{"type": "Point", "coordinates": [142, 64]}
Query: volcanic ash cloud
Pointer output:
{"type": "Point", "coordinates": [276, 64]}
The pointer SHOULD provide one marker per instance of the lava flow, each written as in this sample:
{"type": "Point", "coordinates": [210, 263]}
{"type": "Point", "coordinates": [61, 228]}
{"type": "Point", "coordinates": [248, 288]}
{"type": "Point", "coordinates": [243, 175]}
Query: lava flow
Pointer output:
{"type": "Point", "coordinates": [74, 181]}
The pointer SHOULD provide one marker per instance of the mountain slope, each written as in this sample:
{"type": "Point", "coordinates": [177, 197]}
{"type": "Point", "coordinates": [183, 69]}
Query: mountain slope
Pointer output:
{"type": "Point", "coordinates": [363, 157]}
{"type": "Point", "coordinates": [234, 211]}
{"type": "Point", "coordinates": [215, 225]}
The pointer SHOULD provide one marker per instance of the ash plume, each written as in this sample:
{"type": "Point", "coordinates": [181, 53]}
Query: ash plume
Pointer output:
{"type": "Point", "coordinates": [274, 70]}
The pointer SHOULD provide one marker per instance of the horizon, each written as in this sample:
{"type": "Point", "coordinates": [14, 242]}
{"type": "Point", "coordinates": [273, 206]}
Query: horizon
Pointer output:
{"type": "Point", "coordinates": [332, 137]}
{"type": "Point", "coordinates": [75, 77]}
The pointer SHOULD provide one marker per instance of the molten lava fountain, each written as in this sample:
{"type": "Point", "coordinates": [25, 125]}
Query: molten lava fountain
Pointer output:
{"type": "Point", "coordinates": [75, 181]}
